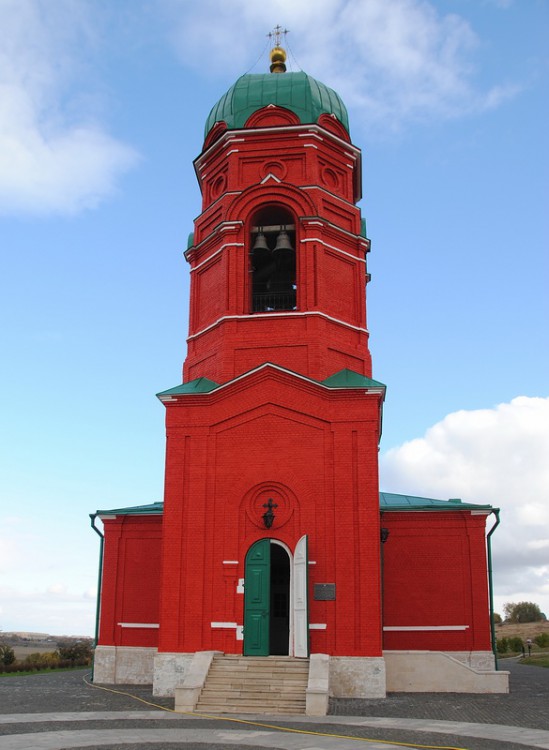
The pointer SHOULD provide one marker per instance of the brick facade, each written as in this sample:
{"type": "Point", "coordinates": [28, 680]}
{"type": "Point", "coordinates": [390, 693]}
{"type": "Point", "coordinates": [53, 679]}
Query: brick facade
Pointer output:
{"type": "Point", "coordinates": [263, 426]}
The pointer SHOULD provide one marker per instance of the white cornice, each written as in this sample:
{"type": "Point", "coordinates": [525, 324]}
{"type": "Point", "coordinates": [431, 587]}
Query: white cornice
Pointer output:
{"type": "Point", "coordinates": [290, 314]}
{"type": "Point", "coordinates": [230, 136]}
{"type": "Point", "coordinates": [366, 389]}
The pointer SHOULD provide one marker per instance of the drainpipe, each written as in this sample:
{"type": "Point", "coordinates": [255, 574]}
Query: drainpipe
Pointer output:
{"type": "Point", "coordinates": [93, 516]}
{"type": "Point", "coordinates": [491, 586]}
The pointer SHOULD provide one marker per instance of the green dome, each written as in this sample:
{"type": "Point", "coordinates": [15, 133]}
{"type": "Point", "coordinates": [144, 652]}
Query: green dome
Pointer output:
{"type": "Point", "coordinates": [298, 92]}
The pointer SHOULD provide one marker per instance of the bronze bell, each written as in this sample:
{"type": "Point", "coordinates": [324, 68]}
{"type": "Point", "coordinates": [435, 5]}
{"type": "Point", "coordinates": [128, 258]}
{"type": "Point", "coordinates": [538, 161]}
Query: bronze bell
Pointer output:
{"type": "Point", "coordinates": [260, 242]}
{"type": "Point", "coordinates": [283, 242]}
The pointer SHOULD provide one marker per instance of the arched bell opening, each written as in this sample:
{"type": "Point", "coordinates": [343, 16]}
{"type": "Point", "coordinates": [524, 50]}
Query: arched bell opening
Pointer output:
{"type": "Point", "coordinates": [273, 260]}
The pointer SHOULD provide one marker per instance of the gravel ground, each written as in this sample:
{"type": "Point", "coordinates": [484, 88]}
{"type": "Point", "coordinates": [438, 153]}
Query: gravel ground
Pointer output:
{"type": "Point", "coordinates": [527, 705]}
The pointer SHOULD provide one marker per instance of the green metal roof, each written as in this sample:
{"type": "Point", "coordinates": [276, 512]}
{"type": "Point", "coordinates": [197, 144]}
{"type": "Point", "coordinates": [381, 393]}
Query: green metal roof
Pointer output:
{"type": "Point", "coordinates": [136, 510]}
{"type": "Point", "coordinates": [350, 379]}
{"type": "Point", "coordinates": [200, 385]}
{"type": "Point", "coordinates": [388, 501]}
{"type": "Point", "coordinates": [298, 92]}
{"type": "Point", "coordinates": [391, 501]}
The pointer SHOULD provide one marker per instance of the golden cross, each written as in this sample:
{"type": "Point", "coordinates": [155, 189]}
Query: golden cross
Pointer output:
{"type": "Point", "coordinates": [276, 33]}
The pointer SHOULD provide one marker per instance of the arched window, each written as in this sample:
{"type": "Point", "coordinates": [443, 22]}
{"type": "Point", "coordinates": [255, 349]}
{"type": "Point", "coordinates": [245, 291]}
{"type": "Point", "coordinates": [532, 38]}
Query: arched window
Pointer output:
{"type": "Point", "coordinates": [273, 260]}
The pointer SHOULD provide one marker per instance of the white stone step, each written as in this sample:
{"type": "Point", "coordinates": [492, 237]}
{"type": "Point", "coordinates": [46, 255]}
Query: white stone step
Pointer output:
{"type": "Point", "coordinates": [237, 684]}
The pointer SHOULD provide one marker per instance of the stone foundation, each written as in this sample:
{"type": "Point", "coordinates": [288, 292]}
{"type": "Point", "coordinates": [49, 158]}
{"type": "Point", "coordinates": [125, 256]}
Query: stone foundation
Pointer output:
{"type": "Point", "coordinates": [357, 677]}
{"type": "Point", "coordinates": [349, 677]}
{"type": "Point", "coordinates": [169, 672]}
{"type": "Point", "coordinates": [123, 665]}
{"type": "Point", "coordinates": [441, 672]}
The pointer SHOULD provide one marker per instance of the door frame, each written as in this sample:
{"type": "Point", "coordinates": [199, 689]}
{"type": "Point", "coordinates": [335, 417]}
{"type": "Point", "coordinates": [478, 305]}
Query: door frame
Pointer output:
{"type": "Point", "coordinates": [292, 583]}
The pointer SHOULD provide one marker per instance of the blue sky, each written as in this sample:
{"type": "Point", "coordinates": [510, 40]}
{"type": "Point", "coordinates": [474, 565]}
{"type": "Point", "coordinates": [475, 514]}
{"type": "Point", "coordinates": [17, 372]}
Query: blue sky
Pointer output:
{"type": "Point", "coordinates": [102, 108]}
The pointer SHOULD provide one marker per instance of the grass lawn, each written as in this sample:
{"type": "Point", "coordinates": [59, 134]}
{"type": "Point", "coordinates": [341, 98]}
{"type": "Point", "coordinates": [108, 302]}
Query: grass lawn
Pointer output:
{"type": "Point", "coordinates": [40, 671]}
{"type": "Point", "coordinates": [539, 660]}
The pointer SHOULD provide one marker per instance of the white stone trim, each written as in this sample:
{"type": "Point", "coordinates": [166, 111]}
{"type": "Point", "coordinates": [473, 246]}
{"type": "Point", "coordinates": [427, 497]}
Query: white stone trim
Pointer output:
{"type": "Point", "coordinates": [213, 255]}
{"type": "Point", "coordinates": [228, 225]}
{"type": "Point", "coordinates": [311, 135]}
{"type": "Point", "coordinates": [310, 129]}
{"type": "Point", "coordinates": [230, 562]}
{"type": "Point", "coordinates": [223, 625]}
{"type": "Point", "coordinates": [138, 624]}
{"type": "Point", "coordinates": [332, 247]}
{"type": "Point", "coordinates": [407, 628]}
{"type": "Point", "coordinates": [366, 389]}
{"type": "Point", "coordinates": [317, 626]}
{"type": "Point", "coordinates": [290, 314]}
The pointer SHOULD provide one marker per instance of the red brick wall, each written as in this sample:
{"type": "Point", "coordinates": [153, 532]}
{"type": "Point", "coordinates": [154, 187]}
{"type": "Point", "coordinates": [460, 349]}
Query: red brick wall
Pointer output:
{"type": "Point", "coordinates": [316, 176]}
{"type": "Point", "coordinates": [435, 575]}
{"type": "Point", "coordinates": [130, 590]}
{"type": "Point", "coordinates": [312, 450]}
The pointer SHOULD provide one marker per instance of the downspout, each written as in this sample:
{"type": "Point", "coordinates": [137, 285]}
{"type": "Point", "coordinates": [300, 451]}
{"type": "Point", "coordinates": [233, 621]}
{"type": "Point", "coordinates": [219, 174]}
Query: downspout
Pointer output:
{"type": "Point", "coordinates": [93, 516]}
{"type": "Point", "coordinates": [491, 586]}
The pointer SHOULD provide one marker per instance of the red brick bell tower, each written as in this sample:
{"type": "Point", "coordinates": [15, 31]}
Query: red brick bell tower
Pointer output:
{"type": "Point", "coordinates": [268, 539]}
{"type": "Point", "coordinates": [271, 528]}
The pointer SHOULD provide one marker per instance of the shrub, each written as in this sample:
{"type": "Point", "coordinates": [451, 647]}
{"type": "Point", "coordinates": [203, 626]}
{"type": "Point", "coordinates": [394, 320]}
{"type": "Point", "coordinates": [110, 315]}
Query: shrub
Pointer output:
{"type": "Point", "coordinates": [7, 654]}
{"type": "Point", "coordinates": [515, 644]}
{"type": "Point", "coordinates": [79, 652]}
{"type": "Point", "coordinates": [542, 640]}
{"type": "Point", "coordinates": [43, 661]}
{"type": "Point", "coordinates": [496, 619]}
{"type": "Point", "coordinates": [502, 645]}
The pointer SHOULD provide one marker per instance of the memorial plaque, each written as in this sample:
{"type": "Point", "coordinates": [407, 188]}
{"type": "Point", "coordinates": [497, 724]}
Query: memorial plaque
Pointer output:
{"type": "Point", "coordinates": [324, 592]}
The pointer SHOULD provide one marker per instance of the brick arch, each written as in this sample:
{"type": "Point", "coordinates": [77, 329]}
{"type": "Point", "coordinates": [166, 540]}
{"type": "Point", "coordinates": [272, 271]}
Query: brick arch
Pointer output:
{"type": "Point", "coordinates": [255, 197]}
{"type": "Point", "coordinates": [333, 125]}
{"type": "Point", "coordinates": [272, 116]}
{"type": "Point", "coordinates": [216, 132]}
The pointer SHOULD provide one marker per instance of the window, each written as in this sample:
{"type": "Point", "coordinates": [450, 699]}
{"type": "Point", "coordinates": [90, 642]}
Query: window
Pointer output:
{"type": "Point", "coordinates": [273, 260]}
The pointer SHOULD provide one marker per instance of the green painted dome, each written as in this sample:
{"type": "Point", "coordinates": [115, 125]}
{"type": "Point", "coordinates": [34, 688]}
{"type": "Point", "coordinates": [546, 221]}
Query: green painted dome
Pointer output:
{"type": "Point", "coordinates": [298, 92]}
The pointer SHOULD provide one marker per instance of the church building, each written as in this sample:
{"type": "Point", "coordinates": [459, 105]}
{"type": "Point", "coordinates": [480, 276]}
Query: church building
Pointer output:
{"type": "Point", "coordinates": [273, 543]}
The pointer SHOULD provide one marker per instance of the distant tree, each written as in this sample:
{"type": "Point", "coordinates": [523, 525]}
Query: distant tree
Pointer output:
{"type": "Point", "coordinates": [7, 654]}
{"type": "Point", "coordinates": [496, 619]}
{"type": "Point", "coordinates": [78, 651]}
{"type": "Point", "coordinates": [523, 612]}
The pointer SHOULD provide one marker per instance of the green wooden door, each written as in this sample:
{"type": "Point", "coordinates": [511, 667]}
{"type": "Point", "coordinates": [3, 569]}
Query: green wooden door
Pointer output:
{"type": "Point", "coordinates": [257, 598]}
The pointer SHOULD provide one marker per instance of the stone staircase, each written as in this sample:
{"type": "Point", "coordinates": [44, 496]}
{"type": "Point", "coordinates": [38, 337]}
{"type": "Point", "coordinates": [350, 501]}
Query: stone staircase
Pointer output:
{"type": "Point", "coordinates": [245, 684]}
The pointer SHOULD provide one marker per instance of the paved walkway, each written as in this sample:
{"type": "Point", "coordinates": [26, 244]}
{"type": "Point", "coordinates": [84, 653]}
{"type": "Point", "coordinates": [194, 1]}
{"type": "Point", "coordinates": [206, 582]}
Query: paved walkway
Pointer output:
{"type": "Point", "coordinates": [59, 710]}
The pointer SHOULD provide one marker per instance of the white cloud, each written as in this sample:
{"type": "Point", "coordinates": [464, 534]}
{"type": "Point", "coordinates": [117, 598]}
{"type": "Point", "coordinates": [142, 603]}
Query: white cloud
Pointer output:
{"type": "Point", "coordinates": [395, 62]}
{"type": "Point", "coordinates": [497, 456]}
{"type": "Point", "coordinates": [48, 574]}
{"type": "Point", "coordinates": [54, 158]}
{"type": "Point", "coordinates": [44, 611]}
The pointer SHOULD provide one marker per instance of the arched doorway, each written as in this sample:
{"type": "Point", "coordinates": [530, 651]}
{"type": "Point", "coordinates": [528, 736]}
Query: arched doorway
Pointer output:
{"type": "Point", "coordinates": [267, 599]}
{"type": "Point", "coordinates": [275, 600]}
